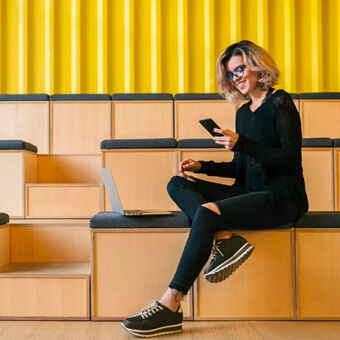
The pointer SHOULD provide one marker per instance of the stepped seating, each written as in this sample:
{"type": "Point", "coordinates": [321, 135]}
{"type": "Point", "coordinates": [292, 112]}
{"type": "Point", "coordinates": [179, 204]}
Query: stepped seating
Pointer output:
{"type": "Point", "coordinates": [144, 166]}
{"type": "Point", "coordinates": [133, 262]}
{"type": "Point", "coordinates": [318, 171]}
{"type": "Point", "coordinates": [45, 270]}
{"type": "Point", "coordinates": [337, 173]}
{"type": "Point", "coordinates": [320, 114]}
{"type": "Point", "coordinates": [79, 122]}
{"type": "Point", "coordinates": [263, 288]}
{"type": "Point", "coordinates": [138, 115]}
{"type": "Point", "coordinates": [18, 161]}
{"type": "Point", "coordinates": [317, 266]}
{"type": "Point", "coordinates": [27, 118]}
{"type": "Point", "coordinates": [191, 107]}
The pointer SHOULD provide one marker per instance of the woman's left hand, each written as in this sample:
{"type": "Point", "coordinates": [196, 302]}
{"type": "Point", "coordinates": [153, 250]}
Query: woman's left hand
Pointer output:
{"type": "Point", "coordinates": [228, 139]}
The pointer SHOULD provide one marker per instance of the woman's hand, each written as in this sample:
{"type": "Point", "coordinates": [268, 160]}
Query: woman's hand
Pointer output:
{"type": "Point", "coordinates": [188, 164]}
{"type": "Point", "coordinates": [228, 139]}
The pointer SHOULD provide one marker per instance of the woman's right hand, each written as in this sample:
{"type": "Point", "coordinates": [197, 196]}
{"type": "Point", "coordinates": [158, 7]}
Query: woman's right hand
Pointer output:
{"type": "Point", "coordinates": [188, 164]}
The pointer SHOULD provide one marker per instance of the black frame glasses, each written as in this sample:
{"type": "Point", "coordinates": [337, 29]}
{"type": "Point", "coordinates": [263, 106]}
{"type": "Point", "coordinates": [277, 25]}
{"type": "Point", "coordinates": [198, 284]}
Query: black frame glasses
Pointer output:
{"type": "Point", "coordinates": [238, 72]}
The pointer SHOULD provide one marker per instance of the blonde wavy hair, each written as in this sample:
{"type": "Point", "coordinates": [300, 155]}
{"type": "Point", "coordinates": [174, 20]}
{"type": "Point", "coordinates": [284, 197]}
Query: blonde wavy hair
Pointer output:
{"type": "Point", "coordinates": [256, 59]}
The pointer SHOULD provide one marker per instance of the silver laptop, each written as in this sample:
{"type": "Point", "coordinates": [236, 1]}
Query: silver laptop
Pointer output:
{"type": "Point", "coordinates": [116, 204]}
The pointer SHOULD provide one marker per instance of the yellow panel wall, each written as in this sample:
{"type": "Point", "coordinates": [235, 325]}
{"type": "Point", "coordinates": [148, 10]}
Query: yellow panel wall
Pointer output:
{"type": "Point", "coordinates": [115, 46]}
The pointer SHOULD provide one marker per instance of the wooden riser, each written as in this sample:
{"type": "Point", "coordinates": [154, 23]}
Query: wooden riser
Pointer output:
{"type": "Point", "coordinates": [318, 279]}
{"type": "Point", "coordinates": [45, 292]}
{"type": "Point", "coordinates": [188, 113]}
{"type": "Point", "coordinates": [320, 118]}
{"type": "Point", "coordinates": [50, 242]}
{"type": "Point", "coordinates": [4, 245]}
{"type": "Point", "coordinates": [62, 200]}
{"type": "Point", "coordinates": [79, 127]}
{"type": "Point", "coordinates": [261, 288]}
{"type": "Point", "coordinates": [142, 119]}
{"type": "Point", "coordinates": [131, 268]}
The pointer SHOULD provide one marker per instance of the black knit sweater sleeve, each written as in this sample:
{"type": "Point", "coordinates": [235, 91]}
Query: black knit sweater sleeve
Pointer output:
{"type": "Point", "coordinates": [288, 132]}
{"type": "Point", "coordinates": [223, 169]}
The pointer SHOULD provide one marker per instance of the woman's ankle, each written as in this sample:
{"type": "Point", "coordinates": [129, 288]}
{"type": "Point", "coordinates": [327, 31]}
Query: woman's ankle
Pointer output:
{"type": "Point", "coordinates": [171, 299]}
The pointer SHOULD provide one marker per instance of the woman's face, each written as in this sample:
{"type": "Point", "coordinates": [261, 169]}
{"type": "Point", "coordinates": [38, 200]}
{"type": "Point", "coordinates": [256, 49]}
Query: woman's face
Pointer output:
{"type": "Point", "coordinates": [248, 81]}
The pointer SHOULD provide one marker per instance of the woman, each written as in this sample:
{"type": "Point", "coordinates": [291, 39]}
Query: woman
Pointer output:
{"type": "Point", "coordinates": [269, 188]}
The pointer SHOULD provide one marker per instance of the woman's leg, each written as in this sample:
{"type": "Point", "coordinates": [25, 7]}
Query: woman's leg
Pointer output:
{"type": "Point", "coordinates": [189, 196]}
{"type": "Point", "coordinates": [250, 211]}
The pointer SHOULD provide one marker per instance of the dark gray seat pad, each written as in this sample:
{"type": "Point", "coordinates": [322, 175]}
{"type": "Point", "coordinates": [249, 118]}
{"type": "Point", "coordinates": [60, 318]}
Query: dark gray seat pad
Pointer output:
{"type": "Point", "coordinates": [112, 220]}
{"type": "Point", "coordinates": [317, 143]}
{"type": "Point", "coordinates": [17, 145]}
{"type": "Point", "coordinates": [80, 97]}
{"type": "Point", "coordinates": [320, 95]}
{"type": "Point", "coordinates": [142, 96]}
{"type": "Point", "coordinates": [4, 218]}
{"type": "Point", "coordinates": [138, 143]}
{"type": "Point", "coordinates": [336, 142]}
{"type": "Point", "coordinates": [319, 219]}
{"type": "Point", "coordinates": [206, 143]}
{"type": "Point", "coordinates": [23, 97]}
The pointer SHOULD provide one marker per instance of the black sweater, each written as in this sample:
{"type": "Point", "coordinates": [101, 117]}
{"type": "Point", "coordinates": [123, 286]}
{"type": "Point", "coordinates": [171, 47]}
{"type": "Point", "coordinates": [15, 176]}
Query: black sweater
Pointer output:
{"type": "Point", "coordinates": [268, 152]}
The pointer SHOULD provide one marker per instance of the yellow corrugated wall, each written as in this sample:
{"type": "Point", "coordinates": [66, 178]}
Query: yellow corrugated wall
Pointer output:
{"type": "Point", "coordinates": [110, 46]}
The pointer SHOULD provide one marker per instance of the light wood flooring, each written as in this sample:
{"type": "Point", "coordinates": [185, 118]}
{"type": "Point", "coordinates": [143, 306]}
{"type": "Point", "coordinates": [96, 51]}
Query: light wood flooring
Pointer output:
{"type": "Point", "coordinates": [235, 330]}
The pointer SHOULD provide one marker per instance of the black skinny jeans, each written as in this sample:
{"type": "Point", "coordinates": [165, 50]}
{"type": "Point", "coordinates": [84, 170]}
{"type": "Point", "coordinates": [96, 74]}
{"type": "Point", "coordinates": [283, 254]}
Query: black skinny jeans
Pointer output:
{"type": "Point", "coordinates": [240, 209]}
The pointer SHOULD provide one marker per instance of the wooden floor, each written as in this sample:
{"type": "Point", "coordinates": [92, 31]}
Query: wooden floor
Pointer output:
{"type": "Point", "coordinates": [236, 330]}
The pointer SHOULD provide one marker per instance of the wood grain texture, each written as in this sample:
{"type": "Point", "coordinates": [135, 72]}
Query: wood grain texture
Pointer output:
{"type": "Point", "coordinates": [142, 119]}
{"type": "Point", "coordinates": [4, 245]}
{"type": "Point", "coordinates": [28, 121]}
{"type": "Point", "coordinates": [139, 266]}
{"type": "Point", "coordinates": [79, 127]}
{"type": "Point", "coordinates": [227, 330]}
{"type": "Point", "coordinates": [69, 169]}
{"type": "Point", "coordinates": [318, 276]}
{"type": "Point", "coordinates": [45, 291]}
{"type": "Point", "coordinates": [216, 155]}
{"type": "Point", "coordinates": [62, 200]}
{"type": "Point", "coordinates": [337, 178]}
{"type": "Point", "coordinates": [11, 183]}
{"type": "Point", "coordinates": [261, 288]}
{"type": "Point", "coordinates": [141, 177]}
{"type": "Point", "coordinates": [320, 118]}
{"type": "Point", "coordinates": [50, 243]}
{"type": "Point", "coordinates": [188, 113]}
{"type": "Point", "coordinates": [319, 178]}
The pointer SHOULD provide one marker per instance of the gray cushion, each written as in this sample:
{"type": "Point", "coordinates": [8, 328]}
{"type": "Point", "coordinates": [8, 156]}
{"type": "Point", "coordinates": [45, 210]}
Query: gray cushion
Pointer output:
{"type": "Point", "coordinates": [317, 143]}
{"type": "Point", "coordinates": [336, 142]}
{"type": "Point", "coordinates": [80, 97]}
{"type": "Point", "coordinates": [198, 143]}
{"type": "Point", "coordinates": [198, 96]}
{"type": "Point", "coordinates": [320, 95]}
{"type": "Point", "coordinates": [17, 145]}
{"type": "Point", "coordinates": [4, 218]}
{"type": "Point", "coordinates": [142, 96]}
{"type": "Point", "coordinates": [112, 220]}
{"type": "Point", "coordinates": [23, 97]}
{"type": "Point", "coordinates": [156, 143]}
{"type": "Point", "coordinates": [294, 95]}
{"type": "Point", "coordinates": [319, 219]}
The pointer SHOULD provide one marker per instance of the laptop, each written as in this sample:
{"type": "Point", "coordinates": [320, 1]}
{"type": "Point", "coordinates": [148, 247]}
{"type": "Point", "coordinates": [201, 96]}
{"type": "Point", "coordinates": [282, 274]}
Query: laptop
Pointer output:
{"type": "Point", "coordinates": [115, 202]}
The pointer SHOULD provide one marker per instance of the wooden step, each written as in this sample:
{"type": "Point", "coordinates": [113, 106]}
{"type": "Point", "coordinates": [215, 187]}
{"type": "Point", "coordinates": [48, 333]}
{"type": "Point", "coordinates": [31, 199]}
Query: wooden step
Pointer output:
{"type": "Point", "coordinates": [62, 200]}
{"type": "Point", "coordinates": [45, 291]}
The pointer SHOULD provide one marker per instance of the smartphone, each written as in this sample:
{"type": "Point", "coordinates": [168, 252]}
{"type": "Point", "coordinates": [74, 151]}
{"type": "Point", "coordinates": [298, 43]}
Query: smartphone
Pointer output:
{"type": "Point", "coordinates": [209, 124]}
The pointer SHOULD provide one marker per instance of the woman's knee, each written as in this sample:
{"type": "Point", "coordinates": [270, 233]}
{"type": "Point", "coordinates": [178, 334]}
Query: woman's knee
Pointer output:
{"type": "Point", "coordinates": [213, 207]}
{"type": "Point", "coordinates": [175, 183]}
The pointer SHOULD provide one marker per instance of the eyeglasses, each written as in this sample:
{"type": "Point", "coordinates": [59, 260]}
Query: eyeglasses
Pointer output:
{"type": "Point", "coordinates": [238, 72]}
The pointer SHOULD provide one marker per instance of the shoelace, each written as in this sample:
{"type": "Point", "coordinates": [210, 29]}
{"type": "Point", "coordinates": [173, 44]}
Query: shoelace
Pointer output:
{"type": "Point", "coordinates": [216, 250]}
{"type": "Point", "coordinates": [151, 309]}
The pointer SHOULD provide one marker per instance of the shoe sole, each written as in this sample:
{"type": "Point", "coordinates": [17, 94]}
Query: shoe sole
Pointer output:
{"type": "Point", "coordinates": [225, 269]}
{"type": "Point", "coordinates": [144, 334]}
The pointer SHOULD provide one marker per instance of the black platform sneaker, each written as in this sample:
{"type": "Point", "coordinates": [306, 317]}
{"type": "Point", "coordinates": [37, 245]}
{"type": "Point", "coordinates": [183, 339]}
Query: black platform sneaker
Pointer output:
{"type": "Point", "coordinates": [228, 255]}
{"type": "Point", "coordinates": [154, 320]}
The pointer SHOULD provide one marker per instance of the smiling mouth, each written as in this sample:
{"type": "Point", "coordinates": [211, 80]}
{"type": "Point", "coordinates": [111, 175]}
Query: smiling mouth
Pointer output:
{"type": "Point", "coordinates": [241, 84]}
